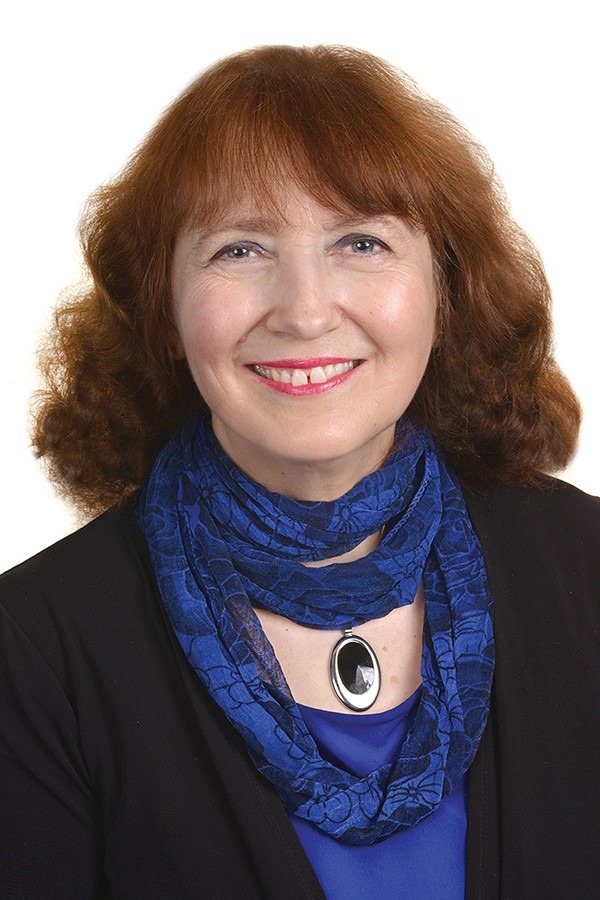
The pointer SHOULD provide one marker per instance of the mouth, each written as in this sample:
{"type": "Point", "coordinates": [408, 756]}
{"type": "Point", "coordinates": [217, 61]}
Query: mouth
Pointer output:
{"type": "Point", "coordinates": [305, 372]}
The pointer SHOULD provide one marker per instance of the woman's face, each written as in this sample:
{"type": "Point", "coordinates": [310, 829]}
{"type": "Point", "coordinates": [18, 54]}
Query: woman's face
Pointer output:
{"type": "Point", "coordinates": [307, 336]}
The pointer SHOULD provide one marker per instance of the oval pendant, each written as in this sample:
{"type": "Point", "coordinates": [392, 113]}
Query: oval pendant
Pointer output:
{"type": "Point", "coordinates": [355, 673]}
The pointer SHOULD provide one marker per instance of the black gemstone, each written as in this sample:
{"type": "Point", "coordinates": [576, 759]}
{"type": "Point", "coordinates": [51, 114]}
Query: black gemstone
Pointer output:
{"type": "Point", "coordinates": [356, 667]}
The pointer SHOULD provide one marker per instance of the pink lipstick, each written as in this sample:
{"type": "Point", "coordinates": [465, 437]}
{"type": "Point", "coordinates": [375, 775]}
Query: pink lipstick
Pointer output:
{"type": "Point", "coordinates": [302, 377]}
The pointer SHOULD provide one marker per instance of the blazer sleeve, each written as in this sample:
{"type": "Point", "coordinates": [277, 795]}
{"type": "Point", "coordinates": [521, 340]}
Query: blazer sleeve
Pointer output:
{"type": "Point", "coordinates": [50, 844]}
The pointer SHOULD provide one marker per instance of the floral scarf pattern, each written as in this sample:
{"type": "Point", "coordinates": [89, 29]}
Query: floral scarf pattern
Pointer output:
{"type": "Point", "coordinates": [221, 544]}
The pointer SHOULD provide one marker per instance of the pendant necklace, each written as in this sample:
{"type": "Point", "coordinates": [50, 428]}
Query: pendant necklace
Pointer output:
{"type": "Point", "coordinates": [354, 671]}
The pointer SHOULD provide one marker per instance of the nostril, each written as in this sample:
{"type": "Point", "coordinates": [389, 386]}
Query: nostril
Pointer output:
{"type": "Point", "coordinates": [304, 320]}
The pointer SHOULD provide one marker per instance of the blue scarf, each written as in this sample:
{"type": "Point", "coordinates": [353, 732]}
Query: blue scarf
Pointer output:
{"type": "Point", "coordinates": [221, 544]}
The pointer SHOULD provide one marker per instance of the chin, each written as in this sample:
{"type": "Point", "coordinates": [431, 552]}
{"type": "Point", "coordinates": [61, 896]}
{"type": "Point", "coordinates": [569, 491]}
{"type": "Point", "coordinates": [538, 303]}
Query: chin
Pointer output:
{"type": "Point", "coordinates": [331, 449]}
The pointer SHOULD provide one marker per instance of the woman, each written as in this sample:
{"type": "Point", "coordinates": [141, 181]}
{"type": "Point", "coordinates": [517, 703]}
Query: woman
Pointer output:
{"type": "Point", "coordinates": [311, 381]}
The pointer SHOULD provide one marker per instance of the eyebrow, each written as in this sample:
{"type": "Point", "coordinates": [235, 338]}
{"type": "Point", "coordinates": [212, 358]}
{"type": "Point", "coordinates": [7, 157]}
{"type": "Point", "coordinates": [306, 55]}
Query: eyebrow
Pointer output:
{"type": "Point", "coordinates": [257, 224]}
{"type": "Point", "coordinates": [264, 225]}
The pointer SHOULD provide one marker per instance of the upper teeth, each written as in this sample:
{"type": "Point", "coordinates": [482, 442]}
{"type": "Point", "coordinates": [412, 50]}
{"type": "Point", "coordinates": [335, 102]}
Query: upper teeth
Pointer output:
{"type": "Point", "coordinates": [298, 377]}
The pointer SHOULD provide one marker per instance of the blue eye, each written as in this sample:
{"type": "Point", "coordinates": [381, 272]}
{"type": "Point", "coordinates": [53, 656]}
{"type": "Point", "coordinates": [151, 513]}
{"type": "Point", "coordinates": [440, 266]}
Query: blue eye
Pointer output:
{"type": "Point", "coordinates": [364, 244]}
{"type": "Point", "coordinates": [236, 252]}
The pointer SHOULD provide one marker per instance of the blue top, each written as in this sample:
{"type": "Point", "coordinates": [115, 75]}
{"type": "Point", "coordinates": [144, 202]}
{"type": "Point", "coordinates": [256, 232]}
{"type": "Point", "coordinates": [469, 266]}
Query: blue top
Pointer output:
{"type": "Point", "coordinates": [424, 862]}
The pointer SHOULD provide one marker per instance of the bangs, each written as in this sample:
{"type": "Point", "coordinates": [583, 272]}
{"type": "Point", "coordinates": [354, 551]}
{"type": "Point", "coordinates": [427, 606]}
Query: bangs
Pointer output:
{"type": "Point", "coordinates": [341, 132]}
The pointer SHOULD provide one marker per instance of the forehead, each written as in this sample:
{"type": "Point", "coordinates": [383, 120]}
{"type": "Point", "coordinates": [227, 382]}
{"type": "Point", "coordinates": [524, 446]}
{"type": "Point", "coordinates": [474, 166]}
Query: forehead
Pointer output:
{"type": "Point", "coordinates": [284, 211]}
{"type": "Point", "coordinates": [270, 188]}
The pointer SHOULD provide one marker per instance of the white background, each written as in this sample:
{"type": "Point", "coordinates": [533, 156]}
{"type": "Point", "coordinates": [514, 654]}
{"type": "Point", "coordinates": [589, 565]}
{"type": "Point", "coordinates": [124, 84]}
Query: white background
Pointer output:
{"type": "Point", "coordinates": [82, 82]}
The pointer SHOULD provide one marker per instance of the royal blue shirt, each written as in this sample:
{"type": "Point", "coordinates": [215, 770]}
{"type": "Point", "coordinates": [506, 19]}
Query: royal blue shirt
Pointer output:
{"type": "Point", "coordinates": [425, 862]}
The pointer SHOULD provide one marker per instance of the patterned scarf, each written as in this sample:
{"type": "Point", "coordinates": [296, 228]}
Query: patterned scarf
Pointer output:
{"type": "Point", "coordinates": [221, 544]}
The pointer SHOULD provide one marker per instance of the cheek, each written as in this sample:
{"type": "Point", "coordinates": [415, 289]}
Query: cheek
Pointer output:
{"type": "Point", "coordinates": [203, 327]}
{"type": "Point", "coordinates": [214, 318]}
{"type": "Point", "coordinates": [407, 322]}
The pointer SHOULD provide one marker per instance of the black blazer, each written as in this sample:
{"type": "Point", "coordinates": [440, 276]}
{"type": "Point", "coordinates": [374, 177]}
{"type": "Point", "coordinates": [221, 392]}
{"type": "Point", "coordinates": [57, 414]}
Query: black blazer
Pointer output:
{"type": "Point", "coordinates": [120, 778]}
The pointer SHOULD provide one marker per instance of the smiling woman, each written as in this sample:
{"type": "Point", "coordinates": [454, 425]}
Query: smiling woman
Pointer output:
{"type": "Point", "coordinates": [303, 327]}
{"type": "Point", "coordinates": [311, 644]}
{"type": "Point", "coordinates": [361, 142]}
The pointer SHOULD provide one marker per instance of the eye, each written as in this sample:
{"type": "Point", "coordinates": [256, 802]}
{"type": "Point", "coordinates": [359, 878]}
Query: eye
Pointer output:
{"type": "Point", "coordinates": [363, 244]}
{"type": "Point", "coordinates": [237, 252]}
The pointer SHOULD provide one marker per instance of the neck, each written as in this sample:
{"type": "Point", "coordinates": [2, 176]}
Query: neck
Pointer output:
{"type": "Point", "coordinates": [363, 549]}
{"type": "Point", "coordinates": [306, 480]}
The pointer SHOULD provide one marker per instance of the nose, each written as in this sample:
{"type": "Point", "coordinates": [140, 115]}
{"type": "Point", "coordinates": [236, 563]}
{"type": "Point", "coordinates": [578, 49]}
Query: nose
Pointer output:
{"type": "Point", "coordinates": [305, 301]}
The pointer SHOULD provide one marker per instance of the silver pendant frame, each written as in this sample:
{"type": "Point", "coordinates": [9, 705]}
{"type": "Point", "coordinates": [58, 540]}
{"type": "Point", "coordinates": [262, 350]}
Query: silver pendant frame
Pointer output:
{"type": "Point", "coordinates": [355, 702]}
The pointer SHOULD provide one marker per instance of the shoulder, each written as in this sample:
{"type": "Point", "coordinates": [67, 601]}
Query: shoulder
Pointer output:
{"type": "Point", "coordinates": [106, 536]}
{"type": "Point", "coordinates": [552, 496]}
{"type": "Point", "coordinates": [524, 520]}
{"type": "Point", "coordinates": [96, 580]}
{"type": "Point", "coordinates": [542, 553]}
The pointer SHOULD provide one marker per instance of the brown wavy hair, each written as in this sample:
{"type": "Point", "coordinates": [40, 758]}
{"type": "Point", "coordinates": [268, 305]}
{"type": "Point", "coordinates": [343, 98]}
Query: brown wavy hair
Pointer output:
{"type": "Point", "coordinates": [358, 136]}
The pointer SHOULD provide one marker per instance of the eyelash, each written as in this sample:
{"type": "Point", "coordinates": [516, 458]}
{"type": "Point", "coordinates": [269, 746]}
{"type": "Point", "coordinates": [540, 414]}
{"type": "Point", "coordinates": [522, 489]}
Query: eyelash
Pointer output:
{"type": "Point", "coordinates": [347, 241]}
{"type": "Point", "coordinates": [351, 239]}
{"type": "Point", "coordinates": [238, 245]}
